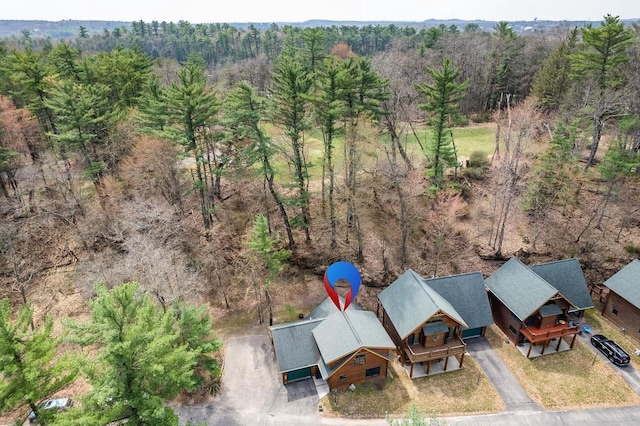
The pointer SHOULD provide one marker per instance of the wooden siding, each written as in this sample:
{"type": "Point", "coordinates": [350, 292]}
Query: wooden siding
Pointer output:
{"type": "Point", "coordinates": [504, 318]}
{"type": "Point", "coordinates": [391, 330]}
{"type": "Point", "coordinates": [356, 373]}
{"type": "Point", "coordinates": [627, 317]}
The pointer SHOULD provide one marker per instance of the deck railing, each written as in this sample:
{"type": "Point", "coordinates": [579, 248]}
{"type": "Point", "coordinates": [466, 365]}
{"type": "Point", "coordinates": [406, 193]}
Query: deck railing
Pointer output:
{"type": "Point", "coordinates": [419, 353]}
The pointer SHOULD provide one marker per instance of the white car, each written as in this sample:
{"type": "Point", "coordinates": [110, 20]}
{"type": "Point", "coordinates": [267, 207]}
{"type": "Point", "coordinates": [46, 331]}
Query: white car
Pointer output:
{"type": "Point", "coordinates": [59, 404]}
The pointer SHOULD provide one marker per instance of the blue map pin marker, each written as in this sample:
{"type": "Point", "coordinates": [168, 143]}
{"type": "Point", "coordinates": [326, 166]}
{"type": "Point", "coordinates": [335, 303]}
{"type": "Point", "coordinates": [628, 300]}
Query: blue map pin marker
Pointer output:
{"type": "Point", "coordinates": [345, 271]}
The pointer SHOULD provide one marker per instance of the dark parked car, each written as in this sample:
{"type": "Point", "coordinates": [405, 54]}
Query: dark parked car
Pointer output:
{"type": "Point", "coordinates": [610, 349]}
{"type": "Point", "coordinates": [59, 404]}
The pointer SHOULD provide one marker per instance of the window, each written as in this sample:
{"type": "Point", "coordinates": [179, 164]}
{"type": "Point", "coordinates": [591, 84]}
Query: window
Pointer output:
{"type": "Point", "coordinates": [513, 330]}
{"type": "Point", "coordinates": [360, 359]}
{"type": "Point", "coordinates": [615, 311]}
{"type": "Point", "coordinates": [343, 377]}
{"type": "Point", "coordinates": [372, 372]}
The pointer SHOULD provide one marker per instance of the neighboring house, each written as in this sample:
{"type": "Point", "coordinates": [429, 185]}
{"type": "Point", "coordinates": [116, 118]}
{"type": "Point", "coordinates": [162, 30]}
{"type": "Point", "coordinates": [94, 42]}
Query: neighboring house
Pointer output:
{"type": "Point", "coordinates": [427, 318]}
{"type": "Point", "coordinates": [533, 304]}
{"type": "Point", "coordinates": [341, 347]}
{"type": "Point", "coordinates": [623, 302]}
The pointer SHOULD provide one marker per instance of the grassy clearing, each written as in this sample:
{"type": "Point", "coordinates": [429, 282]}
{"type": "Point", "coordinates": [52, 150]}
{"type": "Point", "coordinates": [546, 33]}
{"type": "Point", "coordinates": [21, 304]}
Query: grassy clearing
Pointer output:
{"type": "Point", "coordinates": [476, 137]}
{"type": "Point", "coordinates": [567, 380]}
{"type": "Point", "coordinates": [463, 391]}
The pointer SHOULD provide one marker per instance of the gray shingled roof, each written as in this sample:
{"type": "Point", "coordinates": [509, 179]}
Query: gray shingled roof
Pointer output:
{"type": "Point", "coordinates": [567, 277]}
{"type": "Point", "coordinates": [626, 283]}
{"type": "Point", "coordinates": [519, 288]}
{"type": "Point", "coordinates": [294, 344]}
{"type": "Point", "coordinates": [468, 295]}
{"type": "Point", "coordinates": [345, 332]}
{"type": "Point", "coordinates": [409, 302]}
{"type": "Point", "coordinates": [327, 307]}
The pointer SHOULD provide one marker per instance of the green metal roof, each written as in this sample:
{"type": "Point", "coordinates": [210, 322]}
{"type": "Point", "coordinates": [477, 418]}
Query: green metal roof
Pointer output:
{"type": "Point", "coordinates": [435, 327]}
{"type": "Point", "coordinates": [549, 310]}
{"type": "Point", "coordinates": [294, 344]}
{"type": "Point", "coordinates": [345, 332]}
{"type": "Point", "coordinates": [626, 283]}
{"type": "Point", "coordinates": [519, 288]}
{"type": "Point", "coordinates": [327, 307]}
{"type": "Point", "coordinates": [567, 277]}
{"type": "Point", "coordinates": [409, 302]}
{"type": "Point", "coordinates": [468, 295]}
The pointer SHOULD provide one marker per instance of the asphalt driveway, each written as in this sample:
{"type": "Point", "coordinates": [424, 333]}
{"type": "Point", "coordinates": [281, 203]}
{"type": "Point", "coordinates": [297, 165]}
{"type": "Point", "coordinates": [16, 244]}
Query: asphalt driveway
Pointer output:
{"type": "Point", "coordinates": [252, 392]}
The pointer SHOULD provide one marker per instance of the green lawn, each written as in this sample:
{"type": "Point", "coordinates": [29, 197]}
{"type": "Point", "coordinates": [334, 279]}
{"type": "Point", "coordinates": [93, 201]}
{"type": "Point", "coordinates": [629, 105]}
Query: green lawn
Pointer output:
{"type": "Point", "coordinates": [475, 137]}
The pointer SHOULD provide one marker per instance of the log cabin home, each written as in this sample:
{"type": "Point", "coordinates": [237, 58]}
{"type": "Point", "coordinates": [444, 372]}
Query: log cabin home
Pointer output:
{"type": "Point", "coordinates": [340, 347]}
{"type": "Point", "coordinates": [427, 319]}
{"type": "Point", "coordinates": [537, 306]}
{"type": "Point", "coordinates": [622, 306]}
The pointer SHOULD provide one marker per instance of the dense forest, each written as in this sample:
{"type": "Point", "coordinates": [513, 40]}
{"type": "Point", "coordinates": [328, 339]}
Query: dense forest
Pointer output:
{"type": "Point", "coordinates": [228, 166]}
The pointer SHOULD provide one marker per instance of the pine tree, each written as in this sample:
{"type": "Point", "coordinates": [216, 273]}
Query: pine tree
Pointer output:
{"type": "Point", "coordinates": [291, 86]}
{"type": "Point", "coordinates": [29, 364]}
{"type": "Point", "coordinates": [602, 54]}
{"type": "Point", "coordinates": [443, 97]}
{"type": "Point", "coordinates": [137, 357]}
{"type": "Point", "coordinates": [243, 112]}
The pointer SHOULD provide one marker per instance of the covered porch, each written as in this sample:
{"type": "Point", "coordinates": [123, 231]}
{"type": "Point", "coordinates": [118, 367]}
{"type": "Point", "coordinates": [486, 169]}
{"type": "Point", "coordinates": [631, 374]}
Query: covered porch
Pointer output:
{"type": "Point", "coordinates": [445, 357]}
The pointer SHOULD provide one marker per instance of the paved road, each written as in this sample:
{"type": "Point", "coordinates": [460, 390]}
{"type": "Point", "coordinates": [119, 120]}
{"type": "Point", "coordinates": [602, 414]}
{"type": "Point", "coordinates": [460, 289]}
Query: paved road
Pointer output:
{"type": "Point", "coordinates": [252, 394]}
{"type": "Point", "coordinates": [510, 390]}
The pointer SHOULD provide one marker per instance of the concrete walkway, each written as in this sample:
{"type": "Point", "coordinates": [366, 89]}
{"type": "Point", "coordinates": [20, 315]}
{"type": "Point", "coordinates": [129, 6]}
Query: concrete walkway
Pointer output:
{"type": "Point", "coordinates": [509, 389]}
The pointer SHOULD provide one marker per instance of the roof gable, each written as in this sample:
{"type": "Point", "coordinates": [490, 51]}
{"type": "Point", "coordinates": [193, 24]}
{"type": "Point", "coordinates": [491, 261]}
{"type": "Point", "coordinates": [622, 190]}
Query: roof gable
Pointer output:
{"type": "Point", "coordinates": [468, 296]}
{"type": "Point", "coordinates": [327, 307]}
{"type": "Point", "coordinates": [347, 331]}
{"type": "Point", "coordinates": [626, 283]}
{"type": "Point", "coordinates": [567, 277]}
{"type": "Point", "coordinates": [520, 289]}
{"type": "Point", "coordinates": [409, 302]}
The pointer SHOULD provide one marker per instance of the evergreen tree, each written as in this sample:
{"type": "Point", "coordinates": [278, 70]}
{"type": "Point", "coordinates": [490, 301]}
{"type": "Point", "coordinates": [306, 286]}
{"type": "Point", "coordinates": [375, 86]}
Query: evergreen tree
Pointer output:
{"type": "Point", "coordinates": [443, 97]}
{"type": "Point", "coordinates": [549, 187]}
{"type": "Point", "coordinates": [137, 358]}
{"type": "Point", "coordinates": [29, 364]}
{"type": "Point", "coordinates": [600, 58]}
{"type": "Point", "coordinates": [271, 259]}
{"type": "Point", "coordinates": [552, 79]}
{"type": "Point", "coordinates": [192, 108]}
{"type": "Point", "coordinates": [291, 86]}
{"type": "Point", "coordinates": [243, 112]}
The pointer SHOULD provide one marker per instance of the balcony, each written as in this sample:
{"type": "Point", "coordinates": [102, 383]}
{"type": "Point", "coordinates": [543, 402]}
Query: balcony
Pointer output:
{"type": "Point", "coordinates": [536, 335]}
{"type": "Point", "coordinates": [418, 353]}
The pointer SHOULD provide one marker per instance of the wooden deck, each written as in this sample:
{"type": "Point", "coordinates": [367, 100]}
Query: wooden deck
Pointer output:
{"type": "Point", "coordinates": [536, 335]}
{"type": "Point", "coordinates": [418, 353]}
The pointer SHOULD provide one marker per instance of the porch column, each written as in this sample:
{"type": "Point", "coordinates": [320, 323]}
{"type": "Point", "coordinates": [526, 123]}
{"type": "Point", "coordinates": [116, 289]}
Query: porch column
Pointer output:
{"type": "Point", "coordinates": [573, 340]}
{"type": "Point", "coordinates": [544, 346]}
{"type": "Point", "coordinates": [530, 346]}
{"type": "Point", "coordinates": [559, 343]}
{"type": "Point", "coordinates": [461, 359]}
{"type": "Point", "coordinates": [411, 371]}
{"type": "Point", "coordinates": [446, 362]}
{"type": "Point", "coordinates": [428, 367]}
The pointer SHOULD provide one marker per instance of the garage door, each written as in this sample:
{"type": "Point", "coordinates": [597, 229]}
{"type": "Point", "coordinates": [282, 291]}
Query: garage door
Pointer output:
{"type": "Point", "coordinates": [299, 374]}
{"type": "Point", "coordinates": [472, 332]}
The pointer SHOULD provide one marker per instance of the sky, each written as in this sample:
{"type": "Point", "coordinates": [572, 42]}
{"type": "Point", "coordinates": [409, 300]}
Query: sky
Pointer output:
{"type": "Point", "coordinates": [207, 11]}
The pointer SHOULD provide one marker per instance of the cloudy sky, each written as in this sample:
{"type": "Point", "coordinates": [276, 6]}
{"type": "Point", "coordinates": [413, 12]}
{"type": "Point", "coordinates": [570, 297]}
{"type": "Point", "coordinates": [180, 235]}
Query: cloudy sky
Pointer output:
{"type": "Point", "coordinates": [197, 11]}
